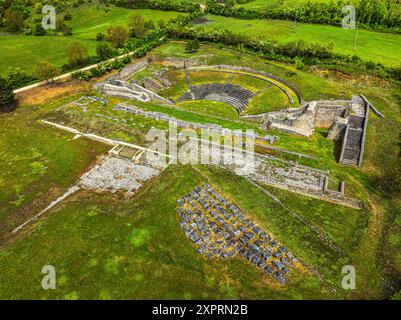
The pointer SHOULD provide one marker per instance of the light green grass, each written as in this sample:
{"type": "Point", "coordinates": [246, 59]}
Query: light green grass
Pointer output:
{"type": "Point", "coordinates": [371, 46]}
{"type": "Point", "coordinates": [262, 5]}
{"type": "Point", "coordinates": [210, 108]}
{"type": "Point", "coordinates": [270, 100]}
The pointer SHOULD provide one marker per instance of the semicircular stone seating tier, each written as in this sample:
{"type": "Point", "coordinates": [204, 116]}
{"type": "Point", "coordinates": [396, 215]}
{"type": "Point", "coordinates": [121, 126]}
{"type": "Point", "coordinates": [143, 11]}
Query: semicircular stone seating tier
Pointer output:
{"type": "Point", "coordinates": [232, 94]}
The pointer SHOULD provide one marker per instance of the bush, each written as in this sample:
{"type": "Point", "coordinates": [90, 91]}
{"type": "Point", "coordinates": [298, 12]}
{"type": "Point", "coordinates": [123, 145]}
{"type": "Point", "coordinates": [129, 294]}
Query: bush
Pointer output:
{"type": "Point", "coordinates": [38, 30]}
{"type": "Point", "coordinates": [117, 35]}
{"type": "Point", "coordinates": [13, 21]}
{"type": "Point", "coordinates": [44, 70]}
{"type": "Point", "coordinates": [6, 94]}
{"type": "Point", "coordinates": [100, 37]}
{"type": "Point", "coordinates": [19, 78]}
{"type": "Point", "coordinates": [299, 64]}
{"type": "Point", "coordinates": [82, 75]}
{"type": "Point", "coordinates": [67, 16]}
{"type": "Point", "coordinates": [104, 51]}
{"type": "Point", "coordinates": [77, 54]}
{"type": "Point", "coordinates": [192, 46]}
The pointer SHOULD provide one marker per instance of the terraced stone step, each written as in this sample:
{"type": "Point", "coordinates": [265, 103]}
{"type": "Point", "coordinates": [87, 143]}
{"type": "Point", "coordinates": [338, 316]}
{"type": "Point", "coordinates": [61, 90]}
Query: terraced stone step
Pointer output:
{"type": "Point", "coordinates": [232, 94]}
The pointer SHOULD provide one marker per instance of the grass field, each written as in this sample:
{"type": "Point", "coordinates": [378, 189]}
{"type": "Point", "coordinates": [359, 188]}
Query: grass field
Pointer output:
{"type": "Point", "coordinates": [262, 5]}
{"type": "Point", "coordinates": [136, 250]}
{"type": "Point", "coordinates": [371, 46]}
{"type": "Point", "coordinates": [24, 51]}
{"type": "Point", "coordinates": [37, 164]}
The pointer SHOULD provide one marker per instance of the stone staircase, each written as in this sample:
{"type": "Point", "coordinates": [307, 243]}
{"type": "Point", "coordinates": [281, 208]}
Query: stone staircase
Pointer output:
{"type": "Point", "coordinates": [353, 143]}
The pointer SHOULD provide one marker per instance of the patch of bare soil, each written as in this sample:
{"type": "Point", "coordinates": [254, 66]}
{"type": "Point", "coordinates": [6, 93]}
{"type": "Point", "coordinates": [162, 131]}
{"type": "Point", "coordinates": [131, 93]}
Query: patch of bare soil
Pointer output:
{"type": "Point", "coordinates": [201, 20]}
{"type": "Point", "coordinates": [342, 77]}
{"type": "Point", "coordinates": [10, 108]}
{"type": "Point", "coordinates": [51, 91]}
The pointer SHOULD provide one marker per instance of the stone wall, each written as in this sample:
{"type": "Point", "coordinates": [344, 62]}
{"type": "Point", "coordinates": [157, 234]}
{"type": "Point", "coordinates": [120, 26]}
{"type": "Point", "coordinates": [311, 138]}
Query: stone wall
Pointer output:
{"type": "Point", "coordinates": [337, 130]}
{"type": "Point", "coordinates": [133, 68]}
{"type": "Point", "coordinates": [326, 114]}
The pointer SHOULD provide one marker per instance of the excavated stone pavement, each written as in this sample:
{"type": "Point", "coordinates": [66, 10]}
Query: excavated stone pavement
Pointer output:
{"type": "Point", "coordinates": [116, 174]}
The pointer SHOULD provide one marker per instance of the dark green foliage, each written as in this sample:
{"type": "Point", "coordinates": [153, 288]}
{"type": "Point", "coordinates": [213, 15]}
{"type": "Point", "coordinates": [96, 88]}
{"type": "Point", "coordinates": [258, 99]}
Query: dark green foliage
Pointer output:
{"type": "Point", "coordinates": [104, 51]}
{"type": "Point", "coordinates": [372, 14]}
{"type": "Point", "coordinates": [19, 78]}
{"type": "Point", "coordinates": [6, 94]}
{"type": "Point", "coordinates": [100, 37]}
{"type": "Point", "coordinates": [13, 21]}
{"type": "Point", "coordinates": [38, 30]}
{"type": "Point", "coordinates": [192, 45]}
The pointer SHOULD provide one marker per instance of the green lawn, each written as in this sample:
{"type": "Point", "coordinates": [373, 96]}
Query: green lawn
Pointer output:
{"type": "Point", "coordinates": [38, 164]}
{"type": "Point", "coordinates": [371, 46]}
{"type": "Point", "coordinates": [24, 51]}
{"type": "Point", "coordinates": [210, 107]}
{"type": "Point", "coordinates": [136, 249]}
{"type": "Point", "coordinates": [268, 4]}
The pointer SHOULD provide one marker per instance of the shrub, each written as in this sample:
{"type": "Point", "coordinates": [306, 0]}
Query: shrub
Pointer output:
{"type": "Point", "coordinates": [104, 51]}
{"type": "Point", "coordinates": [13, 20]}
{"type": "Point", "coordinates": [82, 75]}
{"type": "Point", "coordinates": [44, 70]}
{"type": "Point", "coordinates": [192, 45]}
{"type": "Point", "coordinates": [77, 54]}
{"type": "Point", "coordinates": [299, 64]}
{"type": "Point", "coordinates": [117, 35]}
{"type": "Point", "coordinates": [19, 78]}
{"type": "Point", "coordinates": [38, 30]}
{"type": "Point", "coordinates": [6, 94]}
{"type": "Point", "coordinates": [100, 37]}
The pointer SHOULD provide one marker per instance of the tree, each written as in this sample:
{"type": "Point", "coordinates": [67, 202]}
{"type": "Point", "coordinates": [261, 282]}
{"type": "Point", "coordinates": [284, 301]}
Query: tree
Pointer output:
{"type": "Point", "coordinates": [13, 21]}
{"type": "Point", "coordinates": [18, 78]}
{"type": "Point", "coordinates": [136, 25]}
{"type": "Point", "coordinates": [62, 26]}
{"type": "Point", "coordinates": [150, 25]}
{"type": "Point", "coordinates": [117, 35]}
{"type": "Point", "coordinates": [161, 24]}
{"type": "Point", "coordinates": [100, 37]}
{"type": "Point", "coordinates": [77, 54]}
{"type": "Point", "coordinates": [6, 94]}
{"type": "Point", "coordinates": [67, 16]}
{"type": "Point", "coordinates": [38, 30]}
{"type": "Point", "coordinates": [104, 51]}
{"type": "Point", "coordinates": [192, 45]}
{"type": "Point", "coordinates": [44, 70]}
